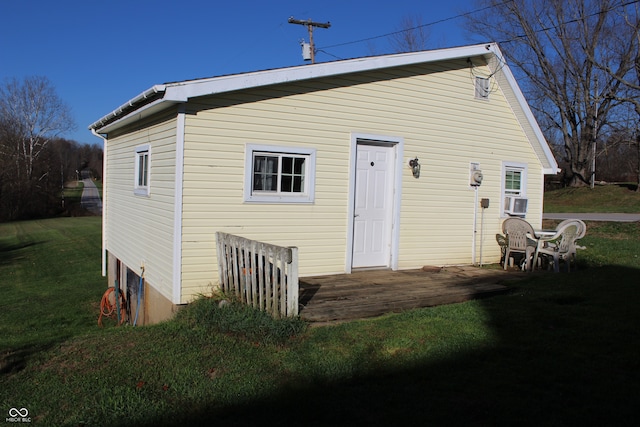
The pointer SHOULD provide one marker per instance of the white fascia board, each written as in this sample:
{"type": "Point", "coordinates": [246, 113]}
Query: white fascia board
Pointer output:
{"type": "Point", "coordinates": [134, 115]}
{"type": "Point", "coordinates": [131, 103]}
{"type": "Point", "coordinates": [524, 106]}
{"type": "Point", "coordinates": [182, 91]}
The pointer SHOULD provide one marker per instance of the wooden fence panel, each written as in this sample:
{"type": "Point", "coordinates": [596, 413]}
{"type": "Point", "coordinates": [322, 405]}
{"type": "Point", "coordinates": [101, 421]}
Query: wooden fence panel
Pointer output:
{"type": "Point", "coordinates": [260, 274]}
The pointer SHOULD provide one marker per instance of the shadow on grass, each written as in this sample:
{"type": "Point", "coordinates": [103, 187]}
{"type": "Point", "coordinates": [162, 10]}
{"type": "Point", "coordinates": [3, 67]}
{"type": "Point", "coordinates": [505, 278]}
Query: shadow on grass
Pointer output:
{"type": "Point", "coordinates": [10, 253]}
{"type": "Point", "coordinates": [16, 360]}
{"type": "Point", "coordinates": [565, 354]}
{"type": "Point", "coordinates": [628, 186]}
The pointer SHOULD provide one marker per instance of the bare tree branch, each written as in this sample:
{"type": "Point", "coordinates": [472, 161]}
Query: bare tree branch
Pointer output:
{"type": "Point", "coordinates": [574, 67]}
{"type": "Point", "coordinates": [31, 177]}
{"type": "Point", "coordinates": [35, 114]}
{"type": "Point", "coordinates": [412, 35]}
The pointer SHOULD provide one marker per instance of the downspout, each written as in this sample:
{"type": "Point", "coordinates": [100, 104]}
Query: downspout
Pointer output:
{"type": "Point", "coordinates": [104, 200]}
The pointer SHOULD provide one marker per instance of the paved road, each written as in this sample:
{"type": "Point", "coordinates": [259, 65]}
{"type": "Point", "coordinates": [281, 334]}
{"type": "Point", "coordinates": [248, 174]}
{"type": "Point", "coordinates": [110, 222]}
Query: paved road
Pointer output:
{"type": "Point", "coordinates": [613, 217]}
{"type": "Point", "coordinates": [91, 198]}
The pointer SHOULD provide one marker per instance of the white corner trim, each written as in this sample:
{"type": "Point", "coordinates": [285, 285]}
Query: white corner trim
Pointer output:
{"type": "Point", "coordinates": [104, 200]}
{"type": "Point", "coordinates": [177, 208]}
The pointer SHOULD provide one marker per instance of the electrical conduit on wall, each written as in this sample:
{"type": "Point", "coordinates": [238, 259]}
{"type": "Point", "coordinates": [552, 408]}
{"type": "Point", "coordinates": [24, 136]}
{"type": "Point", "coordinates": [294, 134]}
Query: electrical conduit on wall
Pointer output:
{"type": "Point", "coordinates": [135, 320]}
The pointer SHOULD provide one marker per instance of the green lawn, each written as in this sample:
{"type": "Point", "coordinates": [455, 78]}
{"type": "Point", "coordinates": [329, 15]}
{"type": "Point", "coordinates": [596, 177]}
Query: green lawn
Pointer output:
{"type": "Point", "coordinates": [50, 280]}
{"type": "Point", "coordinates": [616, 198]}
{"type": "Point", "coordinates": [73, 191]}
{"type": "Point", "coordinates": [559, 349]}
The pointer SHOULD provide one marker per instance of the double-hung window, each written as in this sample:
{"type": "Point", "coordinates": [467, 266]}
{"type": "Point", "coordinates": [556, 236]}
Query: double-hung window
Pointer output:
{"type": "Point", "coordinates": [142, 170]}
{"type": "Point", "coordinates": [513, 182]}
{"type": "Point", "coordinates": [279, 174]}
{"type": "Point", "coordinates": [514, 179]}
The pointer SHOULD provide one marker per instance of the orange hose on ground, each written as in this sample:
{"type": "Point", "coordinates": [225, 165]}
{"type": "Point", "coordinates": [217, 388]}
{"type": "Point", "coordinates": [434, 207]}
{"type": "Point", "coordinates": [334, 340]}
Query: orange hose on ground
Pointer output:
{"type": "Point", "coordinates": [108, 305]}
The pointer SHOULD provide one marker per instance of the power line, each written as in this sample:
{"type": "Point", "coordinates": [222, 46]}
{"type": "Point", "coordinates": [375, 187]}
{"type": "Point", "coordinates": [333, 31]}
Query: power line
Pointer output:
{"type": "Point", "coordinates": [571, 21]}
{"type": "Point", "coordinates": [414, 28]}
{"type": "Point", "coordinates": [467, 14]}
{"type": "Point", "coordinates": [329, 54]}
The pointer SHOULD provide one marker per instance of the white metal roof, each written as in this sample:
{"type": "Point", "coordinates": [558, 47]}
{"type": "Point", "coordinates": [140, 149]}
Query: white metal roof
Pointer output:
{"type": "Point", "coordinates": [162, 96]}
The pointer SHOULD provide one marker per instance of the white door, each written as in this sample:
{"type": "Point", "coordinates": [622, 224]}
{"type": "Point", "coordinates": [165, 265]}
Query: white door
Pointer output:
{"type": "Point", "coordinates": [373, 205]}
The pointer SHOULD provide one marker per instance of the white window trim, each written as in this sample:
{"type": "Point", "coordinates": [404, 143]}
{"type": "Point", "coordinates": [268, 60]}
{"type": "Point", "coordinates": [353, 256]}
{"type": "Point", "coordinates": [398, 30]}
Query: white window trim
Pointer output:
{"type": "Point", "coordinates": [522, 167]}
{"type": "Point", "coordinates": [142, 190]}
{"type": "Point", "coordinates": [307, 197]}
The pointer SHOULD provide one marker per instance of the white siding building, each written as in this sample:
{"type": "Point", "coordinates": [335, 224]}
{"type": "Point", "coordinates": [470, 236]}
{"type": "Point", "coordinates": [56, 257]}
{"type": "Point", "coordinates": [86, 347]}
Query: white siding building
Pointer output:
{"type": "Point", "coordinates": [318, 157]}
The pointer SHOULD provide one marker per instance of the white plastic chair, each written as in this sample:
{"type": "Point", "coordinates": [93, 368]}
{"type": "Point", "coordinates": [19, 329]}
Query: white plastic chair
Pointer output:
{"type": "Point", "coordinates": [517, 232]}
{"type": "Point", "coordinates": [562, 245]}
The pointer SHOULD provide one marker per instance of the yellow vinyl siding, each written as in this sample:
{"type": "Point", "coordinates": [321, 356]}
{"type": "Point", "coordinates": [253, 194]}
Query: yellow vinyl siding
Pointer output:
{"type": "Point", "coordinates": [139, 229]}
{"type": "Point", "coordinates": [431, 107]}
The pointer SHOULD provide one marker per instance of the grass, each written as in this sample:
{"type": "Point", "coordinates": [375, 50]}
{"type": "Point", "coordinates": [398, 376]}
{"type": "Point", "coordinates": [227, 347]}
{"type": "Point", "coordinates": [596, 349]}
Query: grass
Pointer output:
{"type": "Point", "coordinates": [73, 191]}
{"type": "Point", "coordinates": [613, 198]}
{"type": "Point", "coordinates": [559, 349]}
{"type": "Point", "coordinates": [48, 280]}
{"type": "Point", "coordinates": [72, 197]}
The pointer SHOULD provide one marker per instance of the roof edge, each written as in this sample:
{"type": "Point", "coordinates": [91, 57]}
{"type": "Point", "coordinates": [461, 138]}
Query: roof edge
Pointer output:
{"type": "Point", "coordinates": [552, 164]}
{"type": "Point", "coordinates": [132, 104]}
{"type": "Point", "coordinates": [182, 91]}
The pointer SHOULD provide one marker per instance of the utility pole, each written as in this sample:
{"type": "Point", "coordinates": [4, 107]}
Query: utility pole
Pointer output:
{"type": "Point", "coordinates": [310, 25]}
{"type": "Point", "coordinates": [595, 137]}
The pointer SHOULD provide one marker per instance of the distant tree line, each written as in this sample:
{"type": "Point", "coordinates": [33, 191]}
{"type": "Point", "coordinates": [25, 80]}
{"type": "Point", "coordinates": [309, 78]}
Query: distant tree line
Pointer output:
{"type": "Point", "coordinates": [35, 161]}
{"type": "Point", "coordinates": [617, 161]}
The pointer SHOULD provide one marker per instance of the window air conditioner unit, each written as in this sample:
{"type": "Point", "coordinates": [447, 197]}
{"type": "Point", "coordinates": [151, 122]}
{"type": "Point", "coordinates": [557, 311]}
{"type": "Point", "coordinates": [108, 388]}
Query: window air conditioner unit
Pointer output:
{"type": "Point", "coordinates": [515, 205]}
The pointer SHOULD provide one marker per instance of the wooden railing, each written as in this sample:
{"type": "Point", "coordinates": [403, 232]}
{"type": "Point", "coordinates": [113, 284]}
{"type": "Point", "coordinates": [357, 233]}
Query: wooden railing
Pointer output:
{"type": "Point", "coordinates": [262, 275]}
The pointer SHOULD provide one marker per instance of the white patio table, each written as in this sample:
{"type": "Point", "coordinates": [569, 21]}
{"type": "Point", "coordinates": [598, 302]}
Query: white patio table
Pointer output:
{"type": "Point", "coordinates": [541, 237]}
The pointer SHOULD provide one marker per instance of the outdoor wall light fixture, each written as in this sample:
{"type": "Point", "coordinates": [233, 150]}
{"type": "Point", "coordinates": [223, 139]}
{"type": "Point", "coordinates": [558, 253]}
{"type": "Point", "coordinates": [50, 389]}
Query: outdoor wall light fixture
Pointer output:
{"type": "Point", "coordinates": [415, 167]}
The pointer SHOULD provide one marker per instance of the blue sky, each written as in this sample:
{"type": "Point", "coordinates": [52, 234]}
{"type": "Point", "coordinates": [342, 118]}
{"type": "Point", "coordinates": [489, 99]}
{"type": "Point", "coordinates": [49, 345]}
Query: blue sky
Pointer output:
{"type": "Point", "coordinates": [100, 54]}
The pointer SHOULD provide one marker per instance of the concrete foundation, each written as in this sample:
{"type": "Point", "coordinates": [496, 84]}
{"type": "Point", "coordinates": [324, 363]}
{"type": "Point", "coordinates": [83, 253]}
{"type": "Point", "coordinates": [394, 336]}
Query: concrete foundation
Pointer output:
{"type": "Point", "coordinates": [153, 308]}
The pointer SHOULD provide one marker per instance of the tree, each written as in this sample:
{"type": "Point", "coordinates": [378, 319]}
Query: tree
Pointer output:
{"type": "Point", "coordinates": [618, 160]}
{"type": "Point", "coordinates": [35, 114]}
{"type": "Point", "coordinates": [630, 93]}
{"type": "Point", "coordinates": [412, 36]}
{"type": "Point", "coordinates": [91, 159]}
{"type": "Point", "coordinates": [31, 116]}
{"type": "Point", "coordinates": [561, 48]}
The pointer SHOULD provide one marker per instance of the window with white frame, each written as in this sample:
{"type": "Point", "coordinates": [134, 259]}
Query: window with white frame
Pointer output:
{"type": "Point", "coordinates": [514, 178]}
{"type": "Point", "coordinates": [279, 174]}
{"type": "Point", "coordinates": [482, 88]}
{"type": "Point", "coordinates": [142, 170]}
{"type": "Point", "coordinates": [513, 182]}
